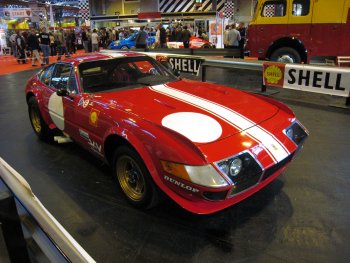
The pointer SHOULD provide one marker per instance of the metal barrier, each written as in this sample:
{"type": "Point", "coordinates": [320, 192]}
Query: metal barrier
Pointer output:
{"type": "Point", "coordinates": [225, 52]}
{"type": "Point", "coordinates": [23, 215]}
{"type": "Point", "coordinates": [318, 79]}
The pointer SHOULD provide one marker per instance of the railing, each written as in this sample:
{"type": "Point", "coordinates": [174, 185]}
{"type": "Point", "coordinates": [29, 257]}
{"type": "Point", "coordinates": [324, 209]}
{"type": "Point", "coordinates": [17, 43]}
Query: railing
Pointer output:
{"type": "Point", "coordinates": [23, 217]}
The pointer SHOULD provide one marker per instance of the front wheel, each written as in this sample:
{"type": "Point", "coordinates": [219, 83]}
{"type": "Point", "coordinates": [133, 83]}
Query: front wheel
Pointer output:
{"type": "Point", "coordinates": [40, 128]}
{"type": "Point", "coordinates": [134, 178]}
{"type": "Point", "coordinates": [286, 55]}
{"type": "Point", "coordinates": [124, 47]}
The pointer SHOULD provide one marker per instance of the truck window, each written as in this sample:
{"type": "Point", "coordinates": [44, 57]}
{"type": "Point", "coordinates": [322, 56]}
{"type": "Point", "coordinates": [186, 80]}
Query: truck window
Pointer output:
{"type": "Point", "coordinates": [301, 7]}
{"type": "Point", "coordinates": [274, 9]}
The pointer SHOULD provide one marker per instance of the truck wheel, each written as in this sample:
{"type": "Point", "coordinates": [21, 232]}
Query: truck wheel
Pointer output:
{"type": "Point", "coordinates": [40, 128]}
{"type": "Point", "coordinates": [286, 55]}
{"type": "Point", "coordinates": [134, 178]}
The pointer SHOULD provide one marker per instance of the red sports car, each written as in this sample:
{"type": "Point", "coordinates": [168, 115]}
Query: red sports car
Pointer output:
{"type": "Point", "coordinates": [206, 146]}
{"type": "Point", "coordinates": [195, 42]}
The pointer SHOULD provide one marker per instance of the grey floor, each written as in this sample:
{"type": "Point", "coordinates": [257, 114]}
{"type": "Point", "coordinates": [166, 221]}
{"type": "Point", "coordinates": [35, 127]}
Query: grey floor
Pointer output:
{"type": "Point", "coordinates": [303, 216]}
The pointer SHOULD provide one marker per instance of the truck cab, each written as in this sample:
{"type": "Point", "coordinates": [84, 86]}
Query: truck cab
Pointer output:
{"type": "Point", "coordinates": [293, 31]}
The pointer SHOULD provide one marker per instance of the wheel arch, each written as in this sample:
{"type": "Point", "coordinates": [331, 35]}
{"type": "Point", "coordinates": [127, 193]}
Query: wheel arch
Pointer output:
{"type": "Point", "coordinates": [288, 42]}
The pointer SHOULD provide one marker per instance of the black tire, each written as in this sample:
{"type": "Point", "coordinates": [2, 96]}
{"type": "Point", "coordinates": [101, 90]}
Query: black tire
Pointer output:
{"type": "Point", "coordinates": [39, 126]}
{"type": "Point", "coordinates": [124, 48]}
{"type": "Point", "coordinates": [286, 55]}
{"type": "Point", "coordinates": [206, 46]}
{"type": "Point", "coordinates": [134, 179]}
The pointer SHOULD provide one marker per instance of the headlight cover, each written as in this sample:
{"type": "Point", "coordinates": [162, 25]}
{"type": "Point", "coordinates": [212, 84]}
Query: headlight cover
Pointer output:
{"type": "Point", "coordinates": [205, 175]}
{"type": "Point", "coordinates": [296, 133]}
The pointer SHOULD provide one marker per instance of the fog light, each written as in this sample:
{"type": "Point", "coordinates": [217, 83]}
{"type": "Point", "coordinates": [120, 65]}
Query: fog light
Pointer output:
{"type": "Point", "coordinates": [235, 166]}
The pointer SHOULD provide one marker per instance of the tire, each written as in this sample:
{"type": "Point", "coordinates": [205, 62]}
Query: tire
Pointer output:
{"type": "Point", "coordinates": [124, 47]}
{"type": "Point", "coordinates": [205, 46]}
{"type": "Point", "coordinates": [286, 55]}
{"type": "Point", "coordinates": [39, 126]}
{"type": "Point", "coordinates": [134, 179]}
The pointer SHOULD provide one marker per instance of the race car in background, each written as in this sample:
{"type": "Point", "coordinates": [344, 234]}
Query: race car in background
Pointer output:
{"type": "Point", "coordinates": [195, 42]}
{"type": "Point", "coordinates": [130, 42]}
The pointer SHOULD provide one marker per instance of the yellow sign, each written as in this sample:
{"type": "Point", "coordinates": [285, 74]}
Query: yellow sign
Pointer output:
{"type": "Point", "coordinates": [273, 74]}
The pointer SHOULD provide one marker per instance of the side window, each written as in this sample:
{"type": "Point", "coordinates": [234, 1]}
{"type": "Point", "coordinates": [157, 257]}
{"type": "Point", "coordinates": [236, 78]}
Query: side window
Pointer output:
{"type": "Point", "coordinates": [301, 7]}
{"type": "Point", "coordinates": [45, 76]}
{"type": "Point", "coordinates": [60, 76]}
{"type": "Point", "coordinates": [274, 9]}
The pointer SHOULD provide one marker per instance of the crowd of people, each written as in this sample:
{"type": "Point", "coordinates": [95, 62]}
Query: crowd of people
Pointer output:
{"type": "Point", "coordinates": [29, 44]}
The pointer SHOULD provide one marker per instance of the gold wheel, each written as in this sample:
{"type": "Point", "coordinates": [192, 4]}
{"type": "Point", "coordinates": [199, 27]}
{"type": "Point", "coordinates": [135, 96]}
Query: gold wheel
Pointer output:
{"type": "Point", "coordinates": [131, 178]}
{"type": "Point", "coordinates": [35, 119]}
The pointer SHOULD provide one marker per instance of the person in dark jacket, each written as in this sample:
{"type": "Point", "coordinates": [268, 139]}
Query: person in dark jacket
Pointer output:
{"type": "Point", "coordinates": [141, 38]}
{"type": "Point", "coordinates": [162, 36]}
{"type": "Point", "coordinates": [242, 31]}
{"type": "Point", "coordinates": [21, 48]}
{"type": "Point", "coordinates": [186, 34]}
{"type": "Point", "coordinates": [33, 44]}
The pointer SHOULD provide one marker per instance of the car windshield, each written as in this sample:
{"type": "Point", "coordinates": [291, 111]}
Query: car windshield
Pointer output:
{"type": "Point", "coordinates": [122, 73]}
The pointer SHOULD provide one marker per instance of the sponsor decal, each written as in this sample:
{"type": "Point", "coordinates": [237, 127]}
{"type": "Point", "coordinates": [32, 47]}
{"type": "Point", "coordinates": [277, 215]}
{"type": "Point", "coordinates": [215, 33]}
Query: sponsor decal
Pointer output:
{"type": "Point", "coordinates": [276, 150]}
{"type": "Point", "coordinates": [56, 111]}
{"type": "Point", "coordinates": [325, 80]}
{"type": "Point", "coordinates": [83, 103]}
{"type": "Point", "coordinates": [180, 184]}
{"type": "Point", "coordinates": [93, 117]}
{"type": "Point", "coordinates": [183, 64]}
{"type": "Point", "coordinates": [97, 148]}
{"type": "Point", "coordinates": [84, 134]}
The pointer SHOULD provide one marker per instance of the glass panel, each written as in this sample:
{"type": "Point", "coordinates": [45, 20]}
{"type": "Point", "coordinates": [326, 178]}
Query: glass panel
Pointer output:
{"type": "Point", "coordinates": [274, 9]}
{"type": "Point", "coordinates": [61, 75]}
{"type": "Point", "coordinates": [301, 7]}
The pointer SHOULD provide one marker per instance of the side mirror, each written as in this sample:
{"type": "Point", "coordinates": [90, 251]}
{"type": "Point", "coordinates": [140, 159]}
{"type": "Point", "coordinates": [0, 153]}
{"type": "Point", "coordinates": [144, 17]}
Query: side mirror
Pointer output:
{"type": "Point", "coordinates": [62, 92]}
{"type": "Point", "coordinates": [176, 72]}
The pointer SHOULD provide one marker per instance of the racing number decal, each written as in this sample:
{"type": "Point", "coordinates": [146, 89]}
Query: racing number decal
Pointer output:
{"type": "Point", "coordinates": [93, 117]}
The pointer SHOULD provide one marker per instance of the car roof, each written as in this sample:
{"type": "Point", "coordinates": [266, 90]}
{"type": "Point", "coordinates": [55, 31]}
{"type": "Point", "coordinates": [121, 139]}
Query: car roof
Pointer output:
{"type": "Point", "coordinates": [100, 56]}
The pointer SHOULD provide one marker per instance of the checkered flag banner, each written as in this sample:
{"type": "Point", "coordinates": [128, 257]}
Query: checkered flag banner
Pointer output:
{"type": "Point", "coordinates": [229, 9]}
{"type": "Point", "coordinates": [269, 10]}
{"type": "Point", "coordinates": [84, 9]}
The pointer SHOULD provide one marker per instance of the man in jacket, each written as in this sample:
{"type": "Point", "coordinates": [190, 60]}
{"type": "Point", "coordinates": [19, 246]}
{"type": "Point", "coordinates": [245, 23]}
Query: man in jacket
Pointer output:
{"type": "Point", "coordinates": [141, 38]}
{"type": "Point", "coordinates": [33, 44]}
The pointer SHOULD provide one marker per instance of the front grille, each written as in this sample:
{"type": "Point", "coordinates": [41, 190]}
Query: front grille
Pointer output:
{"type": "Point", "coordinates": [276, 167]}
{"type": "Point", "coordinates": [244, 181]}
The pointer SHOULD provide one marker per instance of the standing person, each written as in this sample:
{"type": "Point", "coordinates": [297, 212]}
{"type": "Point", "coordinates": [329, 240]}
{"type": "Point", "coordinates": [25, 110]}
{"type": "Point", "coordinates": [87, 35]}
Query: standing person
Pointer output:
{"type": "Point", "coordinates": [186, 34]}
{"type": "Point", "coordinates": [242, 32]}
{"type": "Point", "coordinates": [73, 40]}
{"type": "Point", "coordinates": [227, 28]}
{"type": "Point", "coordinates": [85, 40]}
{"type": "Point", "coordinates": [178, 34]}
{"type": "Point", "coordinates": [94, 40]}
{"type": "Point", "coordinates": [141, 38]}
{"type": "Point", "coordinates": [13, 44]}
{"type": "Point", "coordinates": [33, 44]}
{"type": "Point", "coordinates": [233, 37]}
{"type": "Point", "coordinates": [61, 44]}
{"type": "Point", "coordinates": [44, 39]}
{"type": "Point", "coordinates": [21, 45]}
{"type": "Point", "coordinates": [157, 38]}
{"type": "Point", "coordinates": [52, 45]}
{"type": "Point", "coordinates": [162, 36]}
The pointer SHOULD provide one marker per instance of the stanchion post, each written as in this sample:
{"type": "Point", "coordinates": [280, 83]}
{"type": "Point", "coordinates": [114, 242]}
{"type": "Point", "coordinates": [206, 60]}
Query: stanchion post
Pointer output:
{"type": "Point", "coordinates": [204, 73]}
{"type": "Point", "coordinates": [263, 87]}
{"type": "Point", "coordinates": [347, 102]}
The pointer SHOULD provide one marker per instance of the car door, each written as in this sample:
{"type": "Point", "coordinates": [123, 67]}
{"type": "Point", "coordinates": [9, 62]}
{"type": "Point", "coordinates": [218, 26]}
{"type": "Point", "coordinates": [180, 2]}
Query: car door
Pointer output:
{"type": "Point", "coordinates": [60, 109]}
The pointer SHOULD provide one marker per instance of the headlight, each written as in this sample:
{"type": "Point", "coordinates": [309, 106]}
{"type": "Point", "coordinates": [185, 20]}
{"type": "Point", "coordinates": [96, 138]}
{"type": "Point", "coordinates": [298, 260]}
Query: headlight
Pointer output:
{"type": "Point", "coordinates": [202, 175]}
{"type": "Point", "coordinates": [296, 133]}
{"type": "Point", "coordinates": [116, 43]}
{"type": "Point", "coordinates": [235, 166]}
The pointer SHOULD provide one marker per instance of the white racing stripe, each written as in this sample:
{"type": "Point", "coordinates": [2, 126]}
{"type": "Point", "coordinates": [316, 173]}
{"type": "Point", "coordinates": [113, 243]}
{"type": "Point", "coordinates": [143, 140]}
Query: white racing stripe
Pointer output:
{"type": "Point", "coordinates": [272, 145]}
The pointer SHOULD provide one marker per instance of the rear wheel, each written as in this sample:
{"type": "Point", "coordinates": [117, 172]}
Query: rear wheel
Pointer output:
{"type": "Point", "coordinates": [124, 47]}
{"type": "Point", "coordinates": [39, 126]}
{"type": "Point", "coordinates": [286, 55]}
{"type": "Point", "coordinates": [134, 178]}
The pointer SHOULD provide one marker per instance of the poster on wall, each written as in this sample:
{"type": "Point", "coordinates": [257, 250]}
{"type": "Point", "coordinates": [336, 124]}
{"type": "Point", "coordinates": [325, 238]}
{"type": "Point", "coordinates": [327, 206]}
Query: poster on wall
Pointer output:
{"type": "Point", "coordinates": [216, 32]}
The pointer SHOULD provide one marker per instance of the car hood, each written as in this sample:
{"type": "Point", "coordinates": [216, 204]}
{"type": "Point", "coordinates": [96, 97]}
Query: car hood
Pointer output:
{"type": "Point", "coordinates": [202, 112]}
